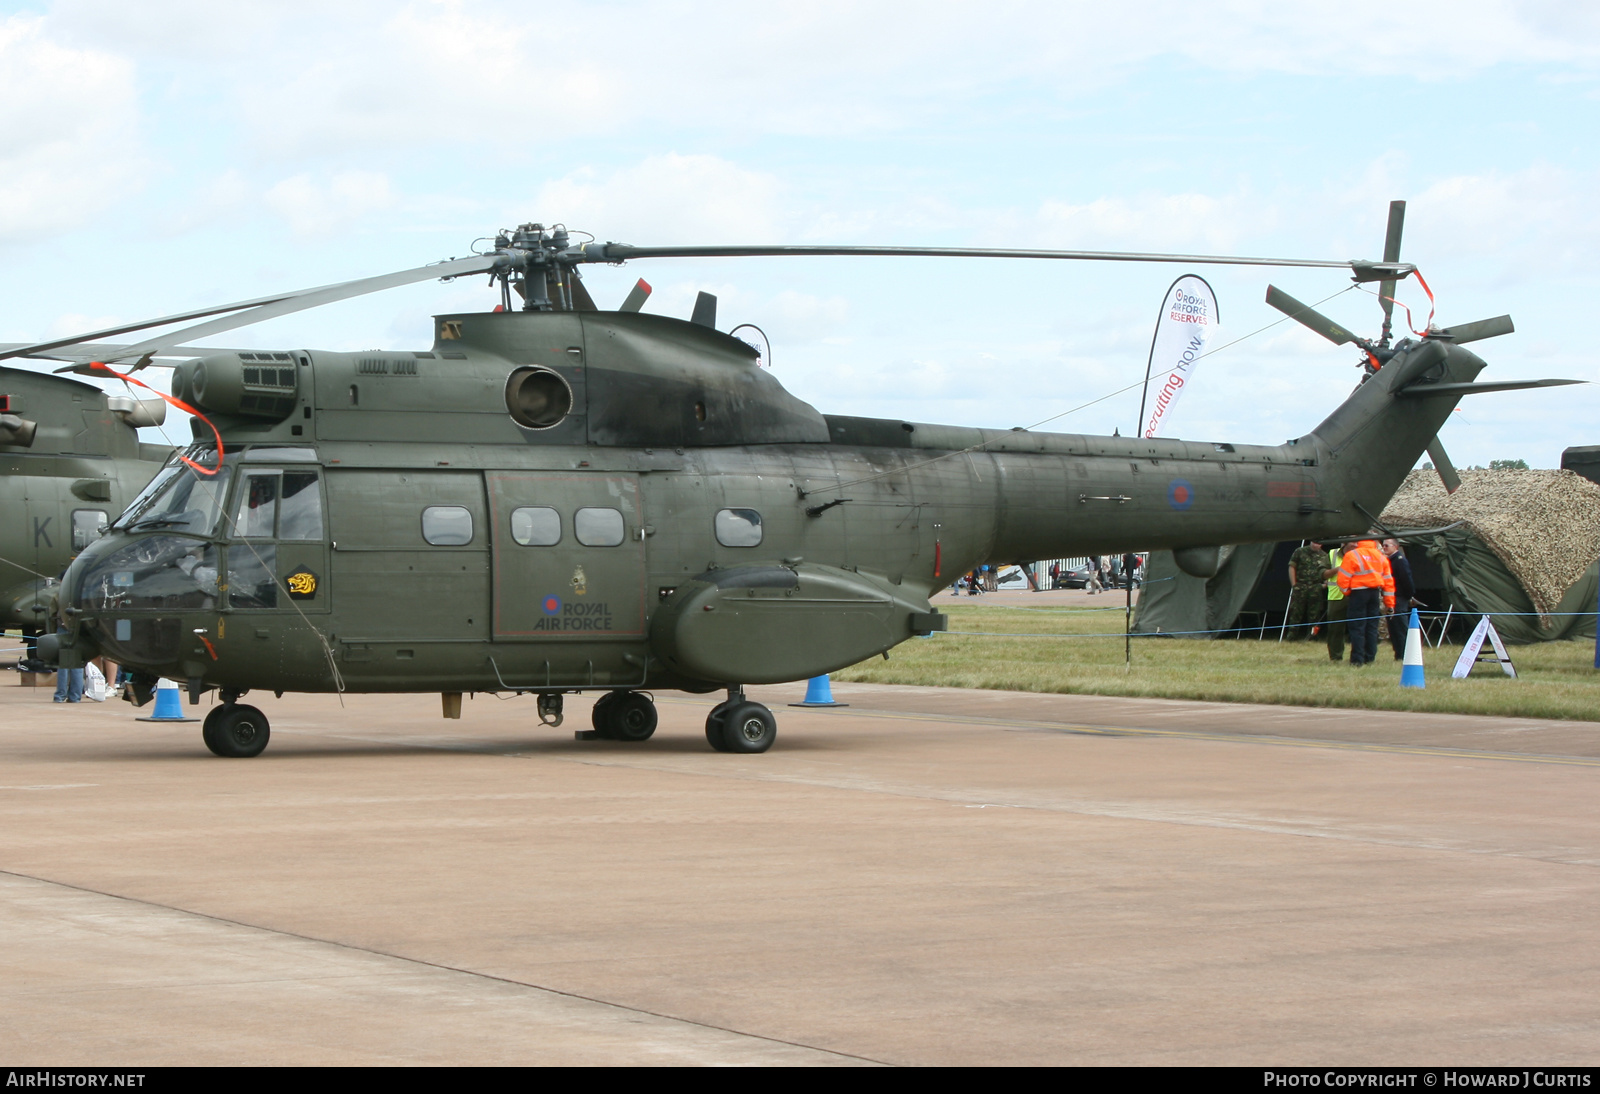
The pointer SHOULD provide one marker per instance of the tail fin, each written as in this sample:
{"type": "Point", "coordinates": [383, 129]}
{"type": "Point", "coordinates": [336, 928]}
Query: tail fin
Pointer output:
{"type": "Point", "coordinates": [1367, 446]}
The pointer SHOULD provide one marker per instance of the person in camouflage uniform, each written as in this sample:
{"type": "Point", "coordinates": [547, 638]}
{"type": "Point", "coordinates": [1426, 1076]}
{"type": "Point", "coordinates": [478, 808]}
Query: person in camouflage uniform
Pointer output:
{"type": "Point", "coordinates": [1308, 602]}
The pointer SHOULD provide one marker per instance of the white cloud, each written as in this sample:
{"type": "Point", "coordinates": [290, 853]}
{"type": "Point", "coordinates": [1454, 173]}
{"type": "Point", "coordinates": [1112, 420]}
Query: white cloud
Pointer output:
{"type": "Point", "coordinates": [1166, 222]}
{"type": "Point", "coordinates": [68, 125]}
{"type": "Point", "coordinates": [670, 198]}
{"type": "Point", "coordinates": [335, 79]}
{"type": "Point", "coordinates": [314, 209]}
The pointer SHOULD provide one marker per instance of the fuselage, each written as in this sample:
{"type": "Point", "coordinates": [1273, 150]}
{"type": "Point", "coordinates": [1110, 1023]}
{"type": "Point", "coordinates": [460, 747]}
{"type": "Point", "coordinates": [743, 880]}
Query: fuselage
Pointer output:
{"type": "Point", "coordinates": [384, 524]}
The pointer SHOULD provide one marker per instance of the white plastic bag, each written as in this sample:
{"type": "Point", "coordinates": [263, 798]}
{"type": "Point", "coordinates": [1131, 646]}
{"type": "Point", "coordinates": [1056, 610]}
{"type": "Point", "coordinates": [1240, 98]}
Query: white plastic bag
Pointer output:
{"type": "Point", "coordinates": [94, 683]}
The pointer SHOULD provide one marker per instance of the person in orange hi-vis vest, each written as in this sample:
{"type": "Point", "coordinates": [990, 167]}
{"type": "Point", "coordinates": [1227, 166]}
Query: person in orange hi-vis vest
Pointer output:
{"type": "Point", "coordinates": [1368, 585]}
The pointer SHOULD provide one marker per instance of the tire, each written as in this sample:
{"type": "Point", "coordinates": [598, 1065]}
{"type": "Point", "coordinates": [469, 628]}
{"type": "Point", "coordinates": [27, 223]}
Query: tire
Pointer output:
{"type": "Point", "coordinates": [208, 730]}
{"type": "Point", "coordinates": [236, 731]}
{"type": "Point", "coordinates": [748, 727]}
{"type": "Point", "coordinates": [632, 717]}
{"type": "Point", "coordinates": [715, 722]}
{"type": "Point", "coordinates": [599, 717]}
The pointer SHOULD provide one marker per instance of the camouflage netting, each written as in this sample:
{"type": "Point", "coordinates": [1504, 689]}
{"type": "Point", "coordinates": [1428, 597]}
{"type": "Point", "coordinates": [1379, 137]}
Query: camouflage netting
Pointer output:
{"type": "Point", "coordinates": [1543, 526]}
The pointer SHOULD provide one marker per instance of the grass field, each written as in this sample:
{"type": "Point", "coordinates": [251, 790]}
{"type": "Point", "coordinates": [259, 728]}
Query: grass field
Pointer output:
{"type": "Point", "coordinates": [989, 646]}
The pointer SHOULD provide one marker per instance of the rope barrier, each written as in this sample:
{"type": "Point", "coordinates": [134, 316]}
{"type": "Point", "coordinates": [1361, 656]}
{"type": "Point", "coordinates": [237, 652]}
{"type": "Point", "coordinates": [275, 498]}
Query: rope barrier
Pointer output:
{"type": "Point", "coordinates": [1253, 630]}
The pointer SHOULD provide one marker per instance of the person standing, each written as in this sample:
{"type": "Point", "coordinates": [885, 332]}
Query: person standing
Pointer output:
{"type": "Point", "coordinates": [1130, 566]}
{"type": "Point", "coordinates": [1096, 583]}
{"type": "Point", "coordinates": [1335, 608]}
{"type": "Point", "coordinates": [1405, 591]}
{"type": "Point", "coordinates": [69, 682]}
{"type": "Point", "coordinates": [1368, 586]}
{"type": "Point", "coordinates": [1308, 602]}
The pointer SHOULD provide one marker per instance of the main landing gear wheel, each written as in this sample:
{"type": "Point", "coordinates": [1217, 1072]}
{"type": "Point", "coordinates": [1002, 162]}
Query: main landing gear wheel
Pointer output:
{"type": "Point", "coordinates": [746, 727]}
{"type": "Point", "coordinates": [236, 731]}
{"type": "Point", "coordinates": [625, 716]}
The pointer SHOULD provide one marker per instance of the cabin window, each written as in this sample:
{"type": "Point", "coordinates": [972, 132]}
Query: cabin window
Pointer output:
{"type": "Point", "coordinates": [447, 525]}
{"type": "Point", "coordinates": [88, 525]}
{"type": "Point", "coordinates": [536, 526]}
{"type": "Point", "coordinates": [738, 527]}
{"type": "Point", "coordinates": [597, 527]}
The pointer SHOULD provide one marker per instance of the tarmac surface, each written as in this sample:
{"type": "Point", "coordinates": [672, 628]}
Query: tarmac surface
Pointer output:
{"type": "Point", "coordinates": [929, 876]}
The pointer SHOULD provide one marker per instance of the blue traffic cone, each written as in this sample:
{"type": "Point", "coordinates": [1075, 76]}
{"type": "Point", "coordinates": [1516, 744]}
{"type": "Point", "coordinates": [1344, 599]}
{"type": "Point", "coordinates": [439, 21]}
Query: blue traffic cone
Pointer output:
{"type": "Point", "coordinates": [169, 704]}
{"type": "Point", "coordinates": [1411, 668]}
{"type": "Point", "coordinates": [819, 694]}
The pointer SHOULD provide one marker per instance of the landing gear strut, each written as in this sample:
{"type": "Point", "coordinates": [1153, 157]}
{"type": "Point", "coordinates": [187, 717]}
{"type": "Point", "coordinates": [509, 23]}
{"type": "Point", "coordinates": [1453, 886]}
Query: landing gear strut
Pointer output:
{"type": "Point", "coordinates": [740, 725]}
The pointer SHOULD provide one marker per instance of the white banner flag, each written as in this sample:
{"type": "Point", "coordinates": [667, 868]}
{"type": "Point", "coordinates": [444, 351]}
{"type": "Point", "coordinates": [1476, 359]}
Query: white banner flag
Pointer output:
{"type": "Point", "coordinates": [1188, 316]}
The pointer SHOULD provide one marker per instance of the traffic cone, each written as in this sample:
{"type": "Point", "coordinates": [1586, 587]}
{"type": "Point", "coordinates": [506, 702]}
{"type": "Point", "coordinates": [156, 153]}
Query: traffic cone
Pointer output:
{"type": "Point", "coordinates": [1411, 668]}
{"type": "Point", "coordinates": [819, 693]}
{"type": "Point", "coordinates": [169, 704]}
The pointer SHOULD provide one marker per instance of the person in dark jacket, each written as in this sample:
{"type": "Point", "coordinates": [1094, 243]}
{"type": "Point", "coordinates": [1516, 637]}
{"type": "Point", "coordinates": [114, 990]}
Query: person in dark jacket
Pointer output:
{"type": "Point", "coordinates": [1405, 590]}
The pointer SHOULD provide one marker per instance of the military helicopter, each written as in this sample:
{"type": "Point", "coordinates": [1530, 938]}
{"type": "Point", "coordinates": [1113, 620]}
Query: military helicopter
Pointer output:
{"type": "Point", "coordinates": [554, 499]}
{"type": "Point", "coordinates": [70, 458]}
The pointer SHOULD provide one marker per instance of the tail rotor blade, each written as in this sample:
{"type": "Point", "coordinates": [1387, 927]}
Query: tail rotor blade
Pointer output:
{"type": "Point", "coordinates": [1391, 253]}
{"type": "Point", "coordinates": [637, 296]}
{"type": "Point", "coordinates": [1483, 328]}
{"type": "Point", "coordinates": [1442, 464]}
{"type": "Point", "coordinates": [1308, 316]}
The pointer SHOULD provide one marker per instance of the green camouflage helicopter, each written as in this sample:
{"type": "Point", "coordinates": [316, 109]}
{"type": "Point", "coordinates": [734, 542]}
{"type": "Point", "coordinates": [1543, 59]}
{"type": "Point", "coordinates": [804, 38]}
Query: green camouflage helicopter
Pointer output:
{"type": "Point", "coordinates": [70, 459]}
{"type": "Point", "coordinates": [555, 498]}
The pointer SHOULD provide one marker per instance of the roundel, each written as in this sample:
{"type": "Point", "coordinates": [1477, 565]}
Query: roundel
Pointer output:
{"type": "Point", "coordinates": [1180, 494]}
{"type": "Point", "coordinates": [551, 605]}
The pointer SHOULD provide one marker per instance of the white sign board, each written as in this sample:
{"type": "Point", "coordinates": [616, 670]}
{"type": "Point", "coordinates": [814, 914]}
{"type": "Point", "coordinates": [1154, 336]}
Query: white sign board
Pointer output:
{"type": "Point", "coordinates": [1474, 647]}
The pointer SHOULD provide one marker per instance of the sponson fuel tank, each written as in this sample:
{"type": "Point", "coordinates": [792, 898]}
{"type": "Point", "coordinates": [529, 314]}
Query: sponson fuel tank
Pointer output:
{"type": "Point", "coordinates": [770, 622]}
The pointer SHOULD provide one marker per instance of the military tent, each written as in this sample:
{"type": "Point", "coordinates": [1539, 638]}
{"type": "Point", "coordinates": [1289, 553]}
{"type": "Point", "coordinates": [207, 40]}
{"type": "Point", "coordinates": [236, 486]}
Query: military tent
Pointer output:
{"type": "Point", "coordinates": [1525, 551]}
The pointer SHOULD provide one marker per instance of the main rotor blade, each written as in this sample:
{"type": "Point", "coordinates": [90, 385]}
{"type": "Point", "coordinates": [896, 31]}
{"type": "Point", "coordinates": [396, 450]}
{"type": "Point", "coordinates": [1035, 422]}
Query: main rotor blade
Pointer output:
{"type": "Point", "coordinates": [1483, 328]}
{"type": "Point", "coordinates": [622, 252]}
{"type": "Point", "coordinates": [1391, 253]}
{"type": "Point", "coordinates": [1442, 464]}
{"type": "Point", "coordinates": [1308, 316]}
{"type": "Point", "coordinates": [246, 312]}
{"type": "Point", "coordinates": [83, 352]}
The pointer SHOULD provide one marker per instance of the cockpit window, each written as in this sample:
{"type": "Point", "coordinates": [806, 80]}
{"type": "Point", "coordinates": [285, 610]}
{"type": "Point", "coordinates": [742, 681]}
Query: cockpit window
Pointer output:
{"type": "Point", "coordinates": [179, 499]}
{"type": "Point", "coordinates": [289, 499]}
{"type": "Point", "coordinates": [164, 572]}
{"type": "Point", "coordinates": [258, 505]}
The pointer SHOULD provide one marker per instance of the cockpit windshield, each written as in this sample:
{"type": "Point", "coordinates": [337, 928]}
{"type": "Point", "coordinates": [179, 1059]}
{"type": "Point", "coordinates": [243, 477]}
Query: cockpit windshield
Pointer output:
{"type": "Point", "coordinates": [180, 499]}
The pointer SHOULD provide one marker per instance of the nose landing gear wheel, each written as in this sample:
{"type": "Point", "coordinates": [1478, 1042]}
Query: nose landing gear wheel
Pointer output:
{"type": "Point", "coordinates": [715, 723]}
{"type": "Point", "coordinates": [624, 716]}
{"type": "Point", "coordinates": [236, 731]}
{"type": "Point", "coordinates": [631, 717]}
{"type": "Point", "coordinates": [600, 716]}
{"type": "Point", "coordinates": [746, 727]}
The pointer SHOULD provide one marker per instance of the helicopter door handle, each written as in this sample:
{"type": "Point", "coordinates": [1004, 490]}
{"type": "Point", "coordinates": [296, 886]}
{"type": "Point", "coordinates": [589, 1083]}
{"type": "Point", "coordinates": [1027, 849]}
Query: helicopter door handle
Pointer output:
{"type": "Point", "coordinates": [1085, 499]}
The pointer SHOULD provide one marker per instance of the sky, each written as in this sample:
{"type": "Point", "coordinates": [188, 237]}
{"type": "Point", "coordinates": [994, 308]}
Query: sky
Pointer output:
{"type": "Point", "coordinates": [172, 154]}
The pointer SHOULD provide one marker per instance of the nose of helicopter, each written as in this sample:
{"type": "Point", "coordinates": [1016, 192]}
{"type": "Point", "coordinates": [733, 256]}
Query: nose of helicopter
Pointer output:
{"type": "Point", "coordinates": [129, 595]}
